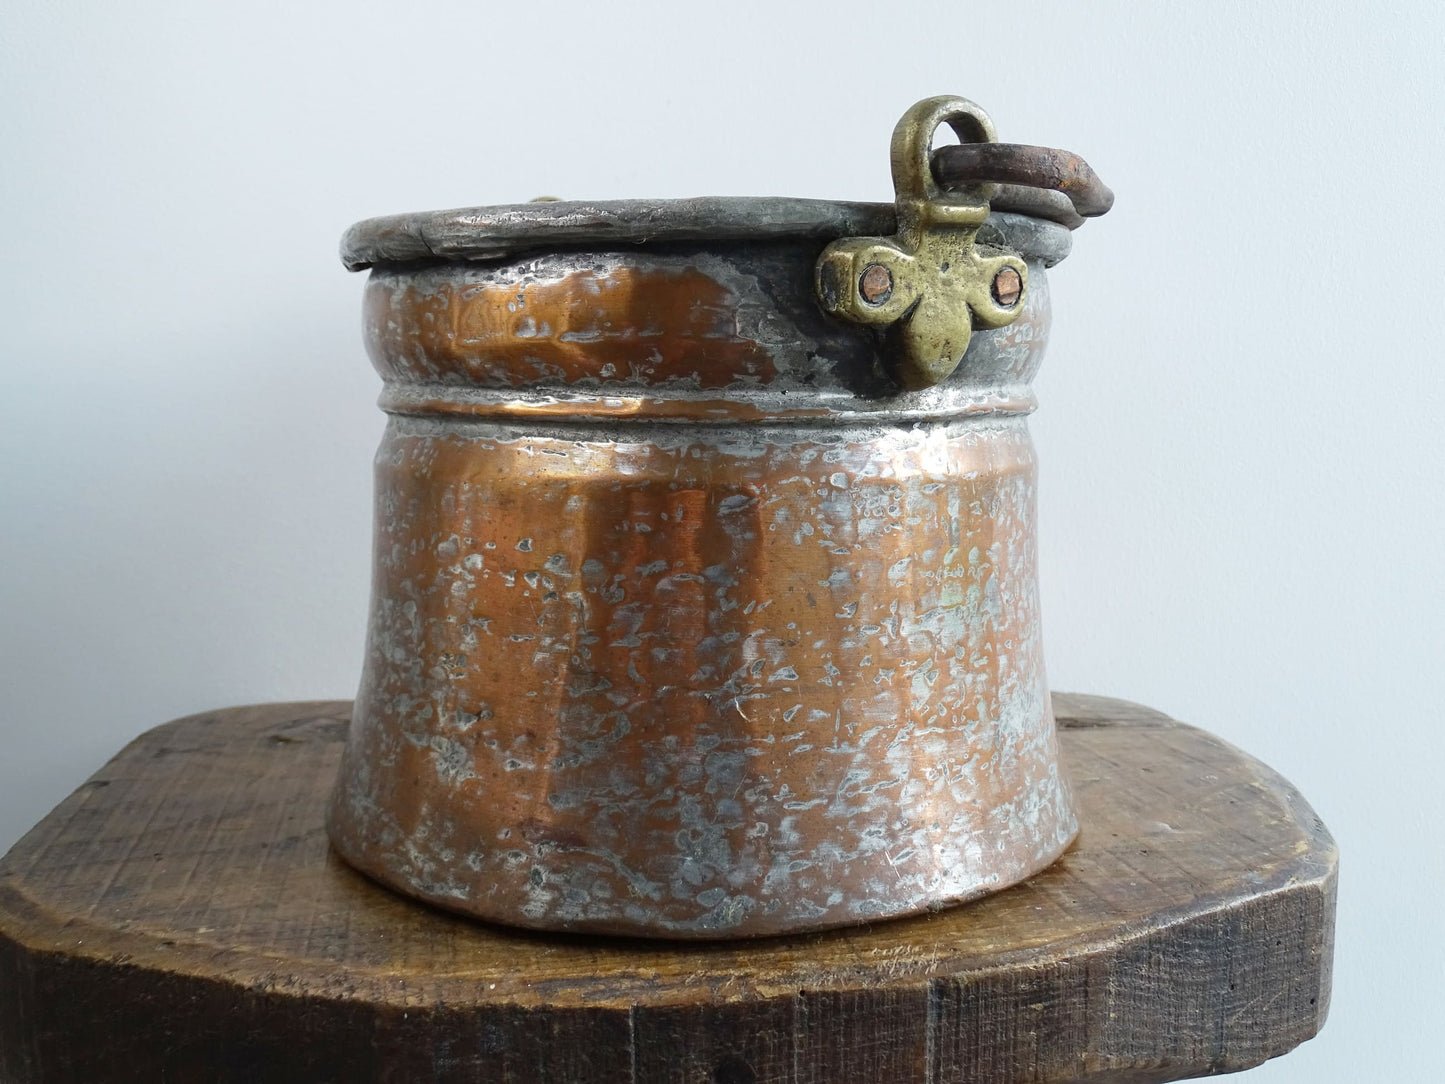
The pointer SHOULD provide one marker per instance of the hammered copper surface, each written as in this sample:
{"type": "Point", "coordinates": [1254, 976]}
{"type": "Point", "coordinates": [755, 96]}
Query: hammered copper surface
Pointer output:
{"type": "Point", "coordinates": [638, 666]}
{"type": "Point", "coordinates": [606, 322]}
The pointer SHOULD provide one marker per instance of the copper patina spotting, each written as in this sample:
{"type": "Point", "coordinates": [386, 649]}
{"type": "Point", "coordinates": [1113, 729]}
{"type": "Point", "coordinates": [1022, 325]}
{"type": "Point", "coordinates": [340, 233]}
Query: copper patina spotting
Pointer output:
{"type": "Point", "coordinates": [688, 618]}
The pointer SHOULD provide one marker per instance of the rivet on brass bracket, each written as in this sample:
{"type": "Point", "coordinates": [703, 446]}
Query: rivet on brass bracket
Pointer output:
{"type": "Point", "coordinates": [931, 282]}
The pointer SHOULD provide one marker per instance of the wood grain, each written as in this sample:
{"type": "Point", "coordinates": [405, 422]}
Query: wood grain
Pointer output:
{"type": "Point", "coordinates": [181, 918]}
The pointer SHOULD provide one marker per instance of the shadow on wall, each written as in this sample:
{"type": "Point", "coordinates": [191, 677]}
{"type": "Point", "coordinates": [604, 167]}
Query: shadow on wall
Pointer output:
{"type": "Point", "coordinates": [189, 528]}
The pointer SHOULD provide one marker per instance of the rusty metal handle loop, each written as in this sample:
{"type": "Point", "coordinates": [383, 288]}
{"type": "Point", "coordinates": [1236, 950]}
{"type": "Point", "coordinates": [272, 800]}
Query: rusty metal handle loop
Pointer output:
{"type": "Point", "coordinates": [1018, 166]}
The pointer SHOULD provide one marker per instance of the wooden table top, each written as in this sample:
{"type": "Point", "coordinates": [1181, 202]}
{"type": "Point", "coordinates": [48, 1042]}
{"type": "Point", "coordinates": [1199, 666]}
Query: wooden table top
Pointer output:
{"type": "Point", "coordinates": [181, 917]}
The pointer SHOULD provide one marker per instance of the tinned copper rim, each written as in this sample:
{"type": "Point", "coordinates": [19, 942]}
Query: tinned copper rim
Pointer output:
{"type": "Point", "coordinates": [424, 400]}
{"type": "Point", "coordinates": [487, 233]}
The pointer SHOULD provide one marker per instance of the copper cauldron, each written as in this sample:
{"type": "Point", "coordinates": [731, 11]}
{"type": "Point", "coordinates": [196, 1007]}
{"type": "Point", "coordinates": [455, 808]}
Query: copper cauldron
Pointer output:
{"type": "Point", "coordinates": [704, 599]}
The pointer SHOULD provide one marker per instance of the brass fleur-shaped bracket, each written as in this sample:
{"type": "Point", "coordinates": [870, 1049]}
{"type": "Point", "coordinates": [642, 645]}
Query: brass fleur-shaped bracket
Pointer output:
{"type": "Point", "coordinates": [930, 283]}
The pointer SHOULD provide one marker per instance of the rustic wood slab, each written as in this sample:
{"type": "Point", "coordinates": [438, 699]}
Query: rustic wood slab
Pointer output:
{"type": "Point", "coordinates": [180, 918]}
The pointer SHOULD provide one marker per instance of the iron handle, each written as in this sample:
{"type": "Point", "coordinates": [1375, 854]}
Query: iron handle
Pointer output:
{"type": "Point", "coordinates": [1018, 166]}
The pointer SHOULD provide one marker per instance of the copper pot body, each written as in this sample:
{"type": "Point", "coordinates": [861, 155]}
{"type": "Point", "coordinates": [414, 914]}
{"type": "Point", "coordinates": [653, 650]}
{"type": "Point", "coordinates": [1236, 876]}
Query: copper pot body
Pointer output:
{"type": "Point", "coordinates": [687, 621]}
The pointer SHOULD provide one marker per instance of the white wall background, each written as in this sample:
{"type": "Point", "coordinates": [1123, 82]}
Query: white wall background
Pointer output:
{"type": "Point", "coordinates": [1241, 434]}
